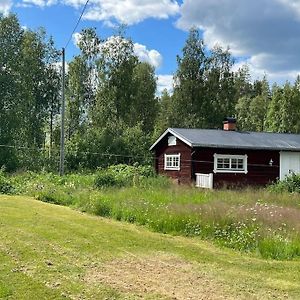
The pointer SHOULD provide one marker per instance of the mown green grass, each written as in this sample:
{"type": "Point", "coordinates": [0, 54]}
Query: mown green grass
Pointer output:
{"type": "Point", "coordinates": [47, 250]}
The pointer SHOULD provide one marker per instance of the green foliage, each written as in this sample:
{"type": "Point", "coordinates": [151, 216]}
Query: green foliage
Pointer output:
{"type": "Point", "coordinates": [111, 104]}
{"type": "Point", "coordinates": [122, 175]}
{"type": "Point", "coordinates": [6, 186]}
{"type": "Point", "coordinates": [279, 247]}
{"type": "Point", "coordinates": [145, 105]}
{"type": "Point", "coordinates": [106, 178]}
{"type": "Point", "coordinates": [108, 146]}
{"type": "Point", "coordinates": [283, 115]}
{"type": "Point", "coordinates": [27, 98]}
{"type": "Point", "coordinates": [115, 93]}
{"type": "Point", "coordinates": [252, 109]}
{"type": "Point", "coordinates": [290, 184]}
{"type": "Point", "coordinates": [78, 96]}
{"type": "Point", "coordinates": [165, 117]}
{"type": "Point", "coordinates": [190, 106]}
{"type": "Point", "coordinates": [204, 92]}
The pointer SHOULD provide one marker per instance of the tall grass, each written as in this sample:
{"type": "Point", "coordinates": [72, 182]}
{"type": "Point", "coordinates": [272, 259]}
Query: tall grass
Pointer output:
{"type": "Point", "coordinates": [252, 220]}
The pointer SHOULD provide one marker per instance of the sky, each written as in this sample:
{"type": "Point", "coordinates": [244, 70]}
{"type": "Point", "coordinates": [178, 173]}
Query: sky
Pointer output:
{"type": "Point", "coordinates": [264, 34]}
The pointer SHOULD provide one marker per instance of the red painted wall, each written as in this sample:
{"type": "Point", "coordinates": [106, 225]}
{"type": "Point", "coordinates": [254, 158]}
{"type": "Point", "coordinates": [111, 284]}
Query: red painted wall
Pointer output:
{"type": "Point", "coordinates": [259, 170]}
{"type": "Point", "coordinates": [184, 175]}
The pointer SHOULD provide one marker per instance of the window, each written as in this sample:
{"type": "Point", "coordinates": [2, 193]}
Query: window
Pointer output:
{"type": "Point", "coordinates": [172, 161]}
{"type": "Point", "coordinates": [224, 163]}
{"type": "Point", "coordinates": [171, 140]}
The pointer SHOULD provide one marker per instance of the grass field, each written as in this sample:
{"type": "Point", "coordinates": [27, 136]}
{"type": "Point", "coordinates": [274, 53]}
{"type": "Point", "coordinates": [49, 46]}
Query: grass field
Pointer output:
{"type": "Point", "coordinates": [53, 252]}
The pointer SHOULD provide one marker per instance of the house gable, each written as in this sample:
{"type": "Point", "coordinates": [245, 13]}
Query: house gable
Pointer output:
{"type": "Point", "coordinates": [166, 158]}
{"type": "Point", "coordinates": [172, 132]}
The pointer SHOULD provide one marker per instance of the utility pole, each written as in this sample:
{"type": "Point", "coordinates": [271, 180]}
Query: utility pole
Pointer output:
{"type": "Point", "coordinates": [62, 132]}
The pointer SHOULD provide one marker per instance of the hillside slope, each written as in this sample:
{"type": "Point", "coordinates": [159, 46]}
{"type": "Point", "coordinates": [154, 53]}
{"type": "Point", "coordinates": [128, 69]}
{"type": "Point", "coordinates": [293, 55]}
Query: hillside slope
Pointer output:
{"type": "Point", "coordinates": [53, 252]}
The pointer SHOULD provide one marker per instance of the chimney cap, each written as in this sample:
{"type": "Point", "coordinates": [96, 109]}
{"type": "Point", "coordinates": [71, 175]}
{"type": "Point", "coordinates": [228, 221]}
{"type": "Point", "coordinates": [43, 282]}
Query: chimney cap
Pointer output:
{"type": "Point", "coordinates": [230, 120]}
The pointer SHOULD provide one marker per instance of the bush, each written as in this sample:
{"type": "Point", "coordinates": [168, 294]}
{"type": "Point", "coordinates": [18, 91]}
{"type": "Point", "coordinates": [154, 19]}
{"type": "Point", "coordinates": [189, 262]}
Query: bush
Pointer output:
{"type": "Point", "coordinates": [5, 185]}
{"type": "Point", "coordinates": [290, 184]}
{"type": "Point", "coordinates": [105, 178]}
{"type": "Point", "coordinates": [123, 175]}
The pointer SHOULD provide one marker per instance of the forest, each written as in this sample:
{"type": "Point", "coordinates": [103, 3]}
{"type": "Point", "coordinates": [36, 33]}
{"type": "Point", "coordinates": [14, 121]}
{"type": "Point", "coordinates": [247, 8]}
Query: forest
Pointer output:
{"type": "Point", "coordinates": [113, 110]}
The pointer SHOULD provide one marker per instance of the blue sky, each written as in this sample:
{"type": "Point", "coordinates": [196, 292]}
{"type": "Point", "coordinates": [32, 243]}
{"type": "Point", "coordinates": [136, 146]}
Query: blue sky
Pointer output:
{"type": "Point", "coordinates": [264, 34]}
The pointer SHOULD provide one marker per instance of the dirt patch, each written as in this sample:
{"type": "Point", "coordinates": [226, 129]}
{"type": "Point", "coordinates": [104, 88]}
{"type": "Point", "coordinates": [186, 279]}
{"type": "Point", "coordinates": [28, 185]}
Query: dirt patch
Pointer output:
{"type": "Point", "coordinates": [163, 276]}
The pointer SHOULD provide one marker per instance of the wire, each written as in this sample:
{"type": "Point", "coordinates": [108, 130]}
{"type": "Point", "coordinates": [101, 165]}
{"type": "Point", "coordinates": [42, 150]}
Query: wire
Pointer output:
{"type": "Point", "coordinates": [77, 23]}
{"type": "Point", "coordinates": [123, 155]}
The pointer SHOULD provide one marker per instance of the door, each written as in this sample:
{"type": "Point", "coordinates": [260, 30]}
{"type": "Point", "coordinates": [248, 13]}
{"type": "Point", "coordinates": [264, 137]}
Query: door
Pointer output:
{"type": "Point", "coordinates": [289, 163]}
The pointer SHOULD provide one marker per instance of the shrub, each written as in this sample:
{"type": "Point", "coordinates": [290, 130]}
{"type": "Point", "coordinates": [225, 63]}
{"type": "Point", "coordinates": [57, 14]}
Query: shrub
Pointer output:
{"type": "Point", "coordinates": [5, 184]}
{"type": "Point", "coordinates": [122, 175]}
{"type": "Point", "coordinates": [290, 184]}
{"type": "Point", "coordinates": [105, 178]}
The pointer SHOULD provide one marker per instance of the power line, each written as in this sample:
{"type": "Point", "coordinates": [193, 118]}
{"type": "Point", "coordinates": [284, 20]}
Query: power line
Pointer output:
{"type": "Point", "coordinates": [109, 155]}
{"type": "Point", "coordinates": [77, 23]}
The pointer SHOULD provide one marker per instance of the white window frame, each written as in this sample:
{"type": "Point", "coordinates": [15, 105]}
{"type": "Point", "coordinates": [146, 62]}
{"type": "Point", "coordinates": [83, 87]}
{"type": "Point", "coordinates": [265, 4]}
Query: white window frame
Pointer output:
{"type": "Point", "coordinates": [173, 165]}
{"type": "Point", "coordinates": [172, 141]}
{"type": "Point", "coordinates": [230, 157]}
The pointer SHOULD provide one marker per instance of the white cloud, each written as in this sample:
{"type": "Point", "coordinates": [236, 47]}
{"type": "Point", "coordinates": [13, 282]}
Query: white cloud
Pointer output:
{"type": "Point", "coordinates": [40, 3]}
{"type": "Point", "coordinates": [5, 6]}
{"type": "Point", "coordinates": [152, 57]}
{"type": "Point", "coordinates": [165, 82]}
{"type": "Point", "coordinates": [118, 11]}
{"type": "Point", "coordinates": [130, 11]}
{"type": "Point", "coordinates": [76, 38]}
{"type": "Point", "coordinates": [268, 32]}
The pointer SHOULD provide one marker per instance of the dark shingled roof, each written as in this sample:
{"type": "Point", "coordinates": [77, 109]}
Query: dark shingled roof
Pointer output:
{"type": "Point", "coordinates": [235, 139]}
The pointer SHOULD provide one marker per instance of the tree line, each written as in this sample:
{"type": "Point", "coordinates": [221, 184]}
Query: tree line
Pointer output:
{"type": "Point", "coordinates": [113, 112]}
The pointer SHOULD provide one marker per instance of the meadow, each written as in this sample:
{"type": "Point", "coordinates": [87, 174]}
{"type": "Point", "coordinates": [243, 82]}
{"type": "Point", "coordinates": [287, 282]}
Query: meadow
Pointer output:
{"type": "Point", "coordinates": [263, 222]}
{"type": "Point", "coordinates": [53, 252]}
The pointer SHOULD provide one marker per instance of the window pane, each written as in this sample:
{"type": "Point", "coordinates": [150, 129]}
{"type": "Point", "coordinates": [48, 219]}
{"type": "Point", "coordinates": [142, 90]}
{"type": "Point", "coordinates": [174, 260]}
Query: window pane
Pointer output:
{"type": "Point", "coordinates": [234, 163]}
{"type": "Point", "coordinates": [241, 164]}
{"type": "Point", "coordinates": [226, 163]}
{"type": "Point", "coordinates": [168, 161]}
{"type": "Point", "coordinates": [220, 163]}
{"type": "Point", "coordinates": [175, 163]}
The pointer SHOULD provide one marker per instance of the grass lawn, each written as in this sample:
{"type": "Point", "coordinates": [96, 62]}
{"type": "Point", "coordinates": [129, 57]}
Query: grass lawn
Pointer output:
{"type": "Point", "coordinates": [54, 252]}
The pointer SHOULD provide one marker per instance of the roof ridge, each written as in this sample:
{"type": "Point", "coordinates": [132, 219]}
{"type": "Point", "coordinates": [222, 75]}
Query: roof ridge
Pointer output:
{"type": "Point", "coordinates": [239, 131]}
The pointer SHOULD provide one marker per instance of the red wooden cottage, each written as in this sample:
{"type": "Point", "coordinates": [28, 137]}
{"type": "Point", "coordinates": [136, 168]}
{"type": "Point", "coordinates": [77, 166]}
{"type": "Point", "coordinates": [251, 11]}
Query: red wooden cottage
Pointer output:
{"type": "Point", "coordinates": [226, 157]}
